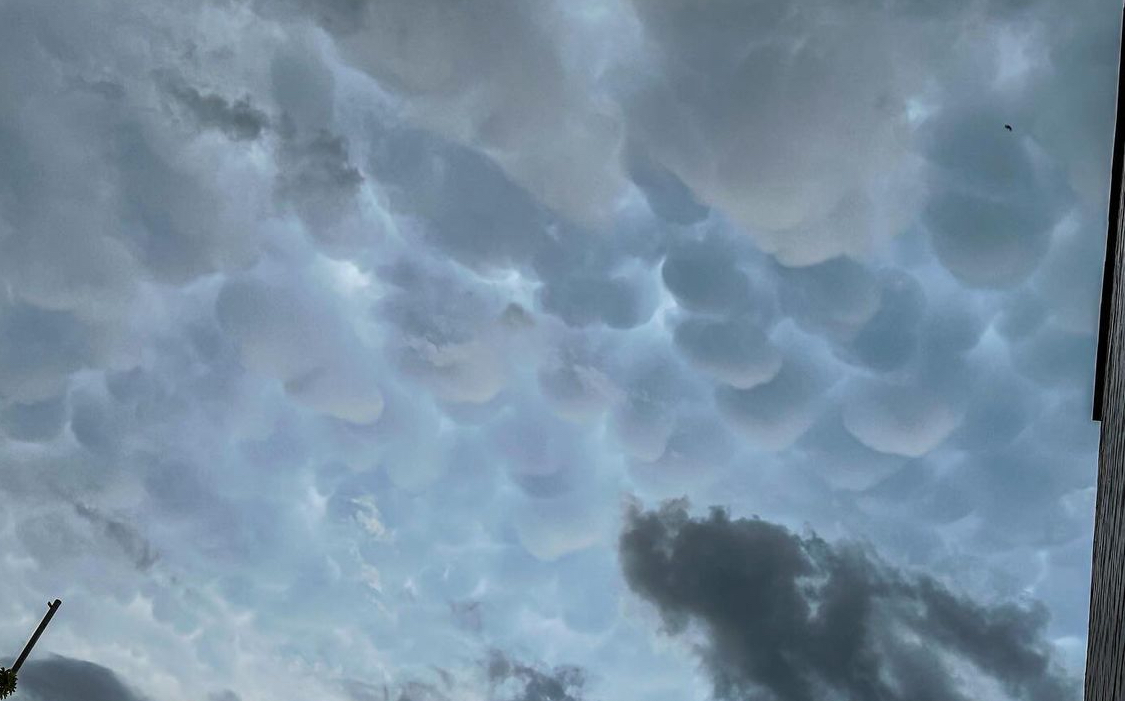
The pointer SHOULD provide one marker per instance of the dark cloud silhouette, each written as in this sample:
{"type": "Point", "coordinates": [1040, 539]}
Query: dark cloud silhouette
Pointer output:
{"type": "Point", "coordinates": [516, 681]}
{"type": "Point", "coordinates": [795, 618]}
{"type": "Point", "coordinates": [239, 119]}
{"type": "Point", "coordinates": [59, 678]}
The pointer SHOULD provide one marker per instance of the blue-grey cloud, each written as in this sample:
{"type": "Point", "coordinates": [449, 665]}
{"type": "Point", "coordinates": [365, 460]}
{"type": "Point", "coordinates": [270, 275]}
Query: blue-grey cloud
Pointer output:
{"type": "Point", "coordinates": [794, 617]}
{"type": "Point", "coordinates": [386, 309]}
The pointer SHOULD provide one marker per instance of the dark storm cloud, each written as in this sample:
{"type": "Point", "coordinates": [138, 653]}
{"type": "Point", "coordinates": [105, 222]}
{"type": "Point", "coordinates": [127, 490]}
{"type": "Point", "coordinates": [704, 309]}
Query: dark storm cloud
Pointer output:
{"type": "Point", "coordinates": [239, 119]}
{"type": "Point", "coordinates": [59, 678]}
{"type": "Point", "coordinates": [791, 618]}
{"type": "Point", "coordinates": [516, 681]}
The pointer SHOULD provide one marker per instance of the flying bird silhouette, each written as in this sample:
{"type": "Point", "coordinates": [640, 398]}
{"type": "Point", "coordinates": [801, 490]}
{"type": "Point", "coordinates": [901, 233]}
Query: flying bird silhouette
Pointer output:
{"type": "Point", "coordinates": [1008, 127]}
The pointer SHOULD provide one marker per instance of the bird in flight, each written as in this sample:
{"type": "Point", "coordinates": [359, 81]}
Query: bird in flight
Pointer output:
{"type": "Point", "coordinates": [1008, 127]}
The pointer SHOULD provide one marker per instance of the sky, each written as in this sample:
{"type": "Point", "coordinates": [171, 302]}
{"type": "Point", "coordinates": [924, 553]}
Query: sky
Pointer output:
{"type": "Point", "coordinates": [551, 350]}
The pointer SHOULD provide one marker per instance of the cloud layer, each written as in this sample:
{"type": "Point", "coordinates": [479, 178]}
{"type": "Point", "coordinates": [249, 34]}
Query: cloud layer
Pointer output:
{"type": "Point", "coordinates": [791, 617]}
{"type": "Point", "coordinates": [332, 333]}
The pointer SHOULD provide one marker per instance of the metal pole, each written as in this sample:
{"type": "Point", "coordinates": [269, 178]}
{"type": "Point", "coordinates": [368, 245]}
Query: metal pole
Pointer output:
{"type": "Point", "coordinates": [51, 608]}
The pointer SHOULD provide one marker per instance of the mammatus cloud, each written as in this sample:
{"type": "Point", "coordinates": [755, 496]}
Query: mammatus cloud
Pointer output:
{"type": "Point", "coordinates": [491, 75]}
{"type": "Point", "coordinates": [794, 618]}
{"type": "Point", "coordinates": [267, 269]}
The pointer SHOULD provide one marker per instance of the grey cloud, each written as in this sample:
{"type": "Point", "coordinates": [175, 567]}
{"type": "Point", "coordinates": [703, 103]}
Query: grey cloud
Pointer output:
{"type": "Point", "coordinates": [39, 348]}
{"type": "Point", "coordinates": [543, 454]}
{"type": "Point", "coordinates": [239, 119]}
{"type": "Point", "coordinates": [179, 488]}
{"type": "Point", "coordinates": [773, 415]}
{"type": "Point", "coordinates": [450, 332]}
{"type": "Point", "coordinates": [318, 178]}
{"type": "Point", "coordinates": [953, 326]}
{"type": "Point", "coordinates": [834, 298]}
{"type": "Point", "coordinates": [490, 74]}
{"type": "Point", "coordinates": [994, 199]}
{"type": "Point", "coordinates": [655, 387]}
{"type": "Point", "coordinates": [703, 276]}
{"type": "Point", "coordinates": [303, 87]}
{"type": "Point", "coordinates": [734, 352]}
{"type": "Point", "coordinates": [1065, 280]}
{"type": "Point", "coordinates": [798, 618]}
{"type": "Point", "coordinates": [695, 447]}
{"type": "Point", "coordinates": [987, 243]}
{"type": "Point", "coordinates": [468, 614]}
{"type": "Point", "coordinates": [515, 681]}
{"type": "Point", "coordinates": [59, 678]}
{"type": "Point", "coordinates": [469, 206]}
{"type": "Point", "coordinates": [295, 335]}
{"type": "Point", "coordinates": [36, 422]}
{"type": "Point", "coordinates": [928, 492]}
{"type": "Point", "coordinates": [1021, 314]}
{"type": "Point", "coordinates": [499, 677]}
{"type": "Point", "coordinates": [577, 389]}
{"type": "Point", "coordinates": [768, 151]}
{"type": "Point", "coordinates": [665, 193]}
{"type": "Point", "coordinates": [899, 419]}
{"type": "Point", "coordinates": [170, 223]}
{"type": "Point", "coordinates": [643, 428]}
{"type": "Point", "coordinates": [998, 411]}
{"type": "Point", "coordinates": [1056, 358]}
{"type": "Point", "coordinates": [617, 301]}
{"type": "Point", "coordinates": [131, 542]}
{"type": "Point", "coordinates": [1019, 490]}
{"type": "Point", "coordinates": [420, 691]}
{"type": "Point", "coordinates": [834, 455]}
{"type": "Point", "coordinates": [889, 339]}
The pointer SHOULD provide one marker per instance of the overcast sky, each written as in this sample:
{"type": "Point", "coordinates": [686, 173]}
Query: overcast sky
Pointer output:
{"type": "Point", "coordinates": [546, 350]}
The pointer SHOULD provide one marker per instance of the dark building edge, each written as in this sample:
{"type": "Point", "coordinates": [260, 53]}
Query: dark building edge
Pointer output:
{"type": "Point", "coordinates": [1114, 225]}
{"type": "Point", "coordinates": [1105, 647]}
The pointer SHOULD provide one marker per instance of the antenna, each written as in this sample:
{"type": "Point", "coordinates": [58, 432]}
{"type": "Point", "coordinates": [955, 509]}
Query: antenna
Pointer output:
{"type": "Point", "coordinates": [8, 676]}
